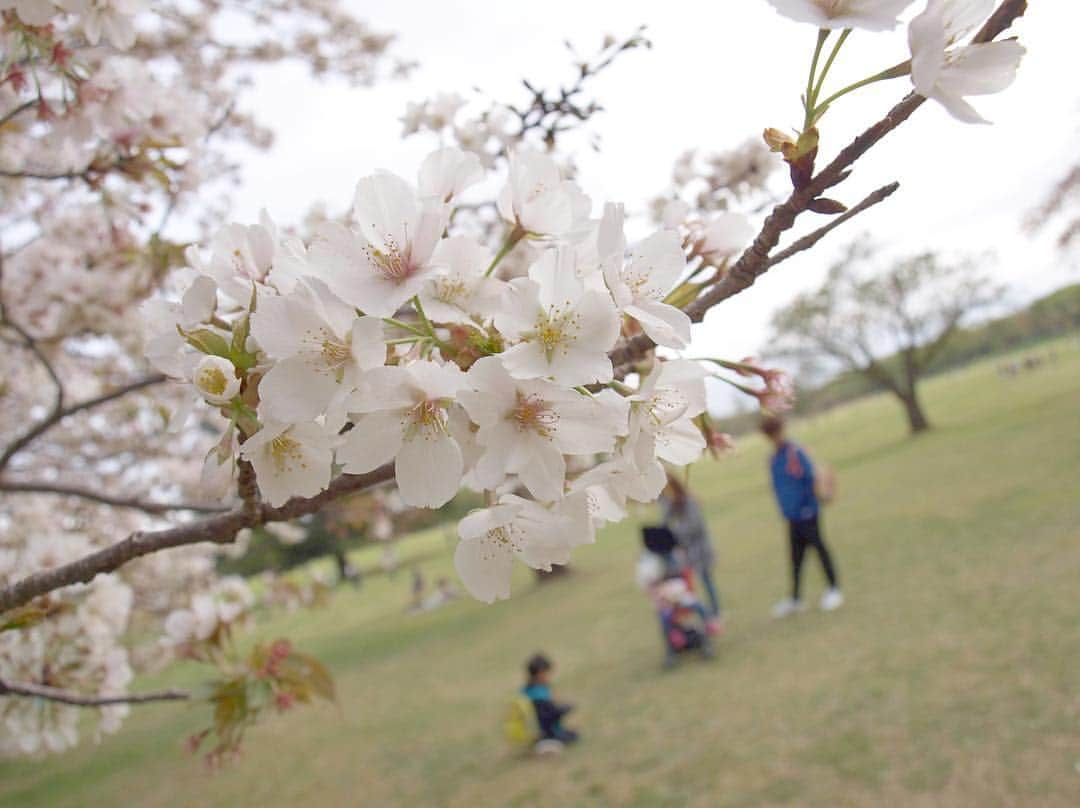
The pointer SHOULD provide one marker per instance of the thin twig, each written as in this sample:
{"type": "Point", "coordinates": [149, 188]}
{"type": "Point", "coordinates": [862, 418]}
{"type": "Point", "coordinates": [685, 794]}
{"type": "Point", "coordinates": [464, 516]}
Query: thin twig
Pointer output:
{"type": "Point", "coordinates": [17, 111]}
{"type": "Point", "coordinates": [14, 174]}
{"type": "Point", "coordinates": [59, 415]}
{"type": "Point", "coordinates": [134, 503]}
{"type": "Point", "coordinates": [219, 529]}
{"type": "Point", "coordinates": [809, 240]}
{"type": "Point", "coordinates": [35, 349]}
{"type": "Point", "coordinates": [34, 691]}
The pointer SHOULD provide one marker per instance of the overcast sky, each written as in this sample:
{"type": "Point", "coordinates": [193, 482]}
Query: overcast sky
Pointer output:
{"type": "Point", "coordinates": [715, 76]}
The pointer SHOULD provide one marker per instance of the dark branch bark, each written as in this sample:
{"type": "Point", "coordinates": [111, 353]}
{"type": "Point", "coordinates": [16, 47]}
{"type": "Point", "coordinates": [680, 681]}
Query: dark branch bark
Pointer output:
{"type": "Point", "coordinates": [219, 529]}
{"type": "Point", "coordinates": [34, 691]}
{"type": "Point", "coordinates": [809, 240]}
{"type": "Point", "coordinates": [147, 506]}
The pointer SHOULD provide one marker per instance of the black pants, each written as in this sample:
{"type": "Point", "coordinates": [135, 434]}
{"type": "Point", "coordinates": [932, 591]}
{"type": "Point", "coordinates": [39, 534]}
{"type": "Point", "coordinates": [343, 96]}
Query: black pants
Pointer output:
{"type": "Point", "coordinates": [805, 533]}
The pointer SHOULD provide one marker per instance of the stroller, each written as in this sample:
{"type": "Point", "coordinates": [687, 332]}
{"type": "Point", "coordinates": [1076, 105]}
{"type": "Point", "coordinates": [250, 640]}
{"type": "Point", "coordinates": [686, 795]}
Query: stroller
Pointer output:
{"type": "Point", "coordinates": [664, 574]}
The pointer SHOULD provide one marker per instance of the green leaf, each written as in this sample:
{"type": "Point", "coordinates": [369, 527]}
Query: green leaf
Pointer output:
{"type": "Point", "coordinates": [206, 341]}
{"type": "Point", "coordinates": [318, 677]}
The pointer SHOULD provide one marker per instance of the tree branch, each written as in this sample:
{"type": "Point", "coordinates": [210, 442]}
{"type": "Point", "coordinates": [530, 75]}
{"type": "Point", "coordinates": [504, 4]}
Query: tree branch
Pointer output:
{"type": "Point", "coordinates": [35, 691]}
{"type": "Point", "coordinates": [14, 174]}
{"type": "Point", "coordinates": [219, 529]}
{"type": "Point", "coordinates": [754, 261]}
{"type": "Point", "coordinates": [18, 110]}
{"type": "Point", "coordinates": [147, 506]}
{"type": "Point", "coordinates": [809, 240]}
{"type": "Point", "coordinates": [60, 414]}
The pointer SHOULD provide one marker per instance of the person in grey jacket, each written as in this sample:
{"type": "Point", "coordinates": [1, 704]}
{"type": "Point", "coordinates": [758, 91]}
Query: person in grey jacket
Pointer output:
{"type": "Point", "coordinates": [683, 517]}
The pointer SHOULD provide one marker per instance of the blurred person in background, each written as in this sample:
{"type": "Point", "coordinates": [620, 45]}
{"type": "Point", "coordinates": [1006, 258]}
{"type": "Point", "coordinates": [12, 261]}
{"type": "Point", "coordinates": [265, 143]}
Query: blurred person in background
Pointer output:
{"type": "Point", "coordinates": [683, 517]}
{"type": "Point", "coordinates": [793, 483]}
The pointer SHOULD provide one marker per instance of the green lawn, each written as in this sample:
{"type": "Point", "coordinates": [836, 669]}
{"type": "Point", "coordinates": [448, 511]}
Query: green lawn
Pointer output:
{"type": "Point", "coordinates": [952, 677]}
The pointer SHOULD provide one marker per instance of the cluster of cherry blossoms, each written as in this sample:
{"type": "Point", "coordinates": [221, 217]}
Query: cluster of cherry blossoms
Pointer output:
{"type": "Point", "coordinates": [391, 339]}
{"type": "Point", "coordinates": [111, 20]}
{"type": "Point", "coordinates": [73, 643]}
{"type": "Point", "coordinates": [113, 113]}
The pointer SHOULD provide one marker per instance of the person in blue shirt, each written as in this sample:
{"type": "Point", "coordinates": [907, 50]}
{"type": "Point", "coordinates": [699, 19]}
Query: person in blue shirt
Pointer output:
{"type": "Point", "coordinates": [549, 714]}
{"type": "Point", "coordinates": [793, 482]}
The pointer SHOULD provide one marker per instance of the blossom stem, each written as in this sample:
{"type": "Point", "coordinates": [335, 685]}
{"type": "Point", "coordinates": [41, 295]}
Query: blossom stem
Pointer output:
{"type": "Point", "coordinates": [828, 64]}
{"type": "Point", "coordinates": [429, 328]}
{"type": "Point", "coordinates": [808, 99]}
{"type": "Point", "coordinates": [516, 235]}
{"type": "Point", "coordinates": [738, 367]}
{"type": "Point", "coordinates": [683, 295]}
{"type": "Point", "coordinates": [896, 71]}
{"type": "Point", "coordinates": [404, 326]}
{"type": "Point", "coordinates": [423, 317]}
{"type": "Point", "coordinates": [742, 388]}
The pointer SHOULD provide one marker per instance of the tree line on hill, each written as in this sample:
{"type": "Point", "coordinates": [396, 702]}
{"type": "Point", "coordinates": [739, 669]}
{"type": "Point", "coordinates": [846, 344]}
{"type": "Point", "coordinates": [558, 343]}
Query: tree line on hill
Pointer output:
{"type": "Point", "coordinates": [887, 331]}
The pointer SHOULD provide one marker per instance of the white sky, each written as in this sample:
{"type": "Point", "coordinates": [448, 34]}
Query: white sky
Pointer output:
{"type": "Point", "coordinates": [714, 77]}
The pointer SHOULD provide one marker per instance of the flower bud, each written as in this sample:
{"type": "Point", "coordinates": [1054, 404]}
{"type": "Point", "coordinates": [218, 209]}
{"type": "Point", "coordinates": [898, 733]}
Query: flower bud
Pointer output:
{"type": "Point", "coordinates": [215, 378]}
{"type": "Point", "coordinates": [777, 139]}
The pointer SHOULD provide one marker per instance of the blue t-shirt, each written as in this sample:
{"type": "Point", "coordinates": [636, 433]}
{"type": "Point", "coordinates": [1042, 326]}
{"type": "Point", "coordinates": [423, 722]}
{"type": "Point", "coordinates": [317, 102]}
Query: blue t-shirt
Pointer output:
{"type": "Point", "coordinates": [537, 692]}
{"type": "Point", "coordinates": [793, 482]}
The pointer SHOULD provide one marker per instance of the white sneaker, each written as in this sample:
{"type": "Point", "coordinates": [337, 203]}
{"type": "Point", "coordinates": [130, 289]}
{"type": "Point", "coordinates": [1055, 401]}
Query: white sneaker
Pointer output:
{"type": "Point", "coordinates": [787, 607]}
{"type": "Point", "coordinates": [832, 599]}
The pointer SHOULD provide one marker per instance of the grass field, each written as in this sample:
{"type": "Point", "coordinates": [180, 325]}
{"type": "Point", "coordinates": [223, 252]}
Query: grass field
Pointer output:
{"type": "Point", "coordinates": [952, 677]}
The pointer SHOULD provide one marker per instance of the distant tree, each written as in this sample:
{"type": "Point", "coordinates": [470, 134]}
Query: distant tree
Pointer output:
{"type": "Point", "coordinates": [907, 313]}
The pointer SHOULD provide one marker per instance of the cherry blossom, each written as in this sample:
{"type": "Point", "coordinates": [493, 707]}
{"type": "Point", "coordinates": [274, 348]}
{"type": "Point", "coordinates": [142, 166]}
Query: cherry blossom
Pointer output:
{"type": "Point", "coordinates": [559, 330]}
{"type": "Point", "coordinates": [947, 72]}
{"type": "Point", "coordinates": [664, 406]}
{"type": "Point", "coordinates": [461, 292]}
{"type": "Point", "coordinates": [31, 12]}
{"type": "Point", "coordinates": [321, 348]}
{"type": "Point", "coordinates": [241, 256]}
{"type": "Point", "coordinates": [402, 413]}
{"type": "Point", "coordinates": [724, 235]}
{"type": "Point", "coordinates": [640, 284]}
{"type": "Point", "coordinates": [525, 428]}
{"type": "Point", "coordinates": [517, 528]}
{"type": "Point", "coordinates": [870, 15]}
{"type": "Point", "coordinates": [538, 199]}
{"type": "Point", "coordinates": [388, 259]}
{"type": "Point", "coordinates": [290, 460]}
{"type": "Point", "coordinates": [447, 172]}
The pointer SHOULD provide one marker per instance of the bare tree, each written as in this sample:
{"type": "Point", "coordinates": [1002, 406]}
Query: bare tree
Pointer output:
{"type": "Point", "coordinates": [888, 326]}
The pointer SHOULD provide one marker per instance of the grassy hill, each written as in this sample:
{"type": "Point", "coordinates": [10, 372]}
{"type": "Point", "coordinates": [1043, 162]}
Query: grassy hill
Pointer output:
{"type": "Point", "coordinates": [1043, 320]}
{"type": "Point", "coordinates": [950, 678]}
{"type": "Point", "coordinates": [1048, 317]}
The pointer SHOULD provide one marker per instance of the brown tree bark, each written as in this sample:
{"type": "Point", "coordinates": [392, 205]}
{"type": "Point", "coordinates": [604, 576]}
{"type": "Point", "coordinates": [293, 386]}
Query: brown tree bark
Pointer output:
{"type": "Point", "coordinates": [917, 420]}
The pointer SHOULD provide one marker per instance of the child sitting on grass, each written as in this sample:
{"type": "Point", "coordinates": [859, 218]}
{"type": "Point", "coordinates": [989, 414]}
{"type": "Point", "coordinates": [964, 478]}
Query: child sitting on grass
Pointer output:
{"type": "Point", "coordinates": [549, 714]}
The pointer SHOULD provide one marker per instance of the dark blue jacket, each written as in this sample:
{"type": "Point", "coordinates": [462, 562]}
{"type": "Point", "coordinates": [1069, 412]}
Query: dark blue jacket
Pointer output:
{"type": "Point", "coordinates": [548, 713]}
{"type": "Point", "coordinates": [793, 482]}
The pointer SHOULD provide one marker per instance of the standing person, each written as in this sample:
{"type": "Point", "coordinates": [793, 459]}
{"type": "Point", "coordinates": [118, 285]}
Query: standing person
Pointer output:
{"type": "Point", "coordinates": [682, 516]}
{"type": "Point", "coordinates": [793, 483]}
